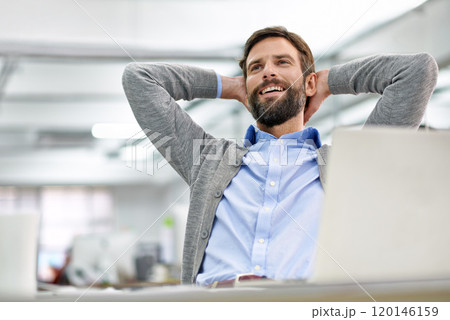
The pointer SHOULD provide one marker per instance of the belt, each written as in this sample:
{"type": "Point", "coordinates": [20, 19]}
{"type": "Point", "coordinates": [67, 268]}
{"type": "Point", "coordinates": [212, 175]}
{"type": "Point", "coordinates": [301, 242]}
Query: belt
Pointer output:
{"type": "Point", "coordinates": [235, 282]}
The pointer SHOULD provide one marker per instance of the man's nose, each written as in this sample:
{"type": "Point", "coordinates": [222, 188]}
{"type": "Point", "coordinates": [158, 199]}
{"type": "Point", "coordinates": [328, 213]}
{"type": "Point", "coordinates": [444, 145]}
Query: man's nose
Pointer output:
{"type": "Point", "coordinates": [269, 71]}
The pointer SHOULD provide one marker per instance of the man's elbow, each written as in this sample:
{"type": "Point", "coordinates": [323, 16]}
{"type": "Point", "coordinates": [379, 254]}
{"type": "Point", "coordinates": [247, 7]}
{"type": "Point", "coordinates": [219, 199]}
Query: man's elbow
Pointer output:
{"type": "Point", "coordinates": [130, 74]}
{"type": "Point", "coordinates": [429, 70]}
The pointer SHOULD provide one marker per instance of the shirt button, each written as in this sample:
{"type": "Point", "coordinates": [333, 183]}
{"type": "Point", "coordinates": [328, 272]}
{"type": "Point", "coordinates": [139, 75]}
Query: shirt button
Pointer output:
{"type": "Point", "coordinates": [261, 240]}
{"type": "Point", "coordinates": [266, 209]}
{"type": "Point", "coordinates": [272, 183]}
{"type": "Point", "coordinates": [257, 267]}
{"type": "Point", "coordinates": [281, 141]}
{"type": "Point", "coordinates": [204, 234]}
{"type": "Point", "coordinates": [275, 160]}
{"type": "Point", "coordinates": [217, 194]}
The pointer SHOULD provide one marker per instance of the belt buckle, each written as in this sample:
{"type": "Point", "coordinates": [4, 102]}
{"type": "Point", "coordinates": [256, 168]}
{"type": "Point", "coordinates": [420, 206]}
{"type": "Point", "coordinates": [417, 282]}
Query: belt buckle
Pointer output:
{"type": "Point", "coordinates": [238, 277]}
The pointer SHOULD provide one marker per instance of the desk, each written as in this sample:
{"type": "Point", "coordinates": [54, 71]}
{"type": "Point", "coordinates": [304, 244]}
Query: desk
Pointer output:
{"type": "Point", "coordinates": [401, 291]}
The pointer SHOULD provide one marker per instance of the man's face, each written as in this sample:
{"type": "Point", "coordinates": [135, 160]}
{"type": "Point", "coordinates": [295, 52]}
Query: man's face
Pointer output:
{"type": "Point", "coordinates": [273, 65]}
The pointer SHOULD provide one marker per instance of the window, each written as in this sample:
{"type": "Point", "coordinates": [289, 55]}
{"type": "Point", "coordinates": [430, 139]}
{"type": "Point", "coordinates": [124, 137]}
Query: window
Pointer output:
{"type": "Point", "coordinates": [65, 212]}
{"type": "Point", "coordinates": [68, 212]}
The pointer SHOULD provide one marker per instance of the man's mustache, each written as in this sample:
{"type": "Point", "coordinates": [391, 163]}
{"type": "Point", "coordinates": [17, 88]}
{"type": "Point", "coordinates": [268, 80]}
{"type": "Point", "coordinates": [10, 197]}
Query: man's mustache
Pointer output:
{"type": "Point", "coordinates": [270, 82]}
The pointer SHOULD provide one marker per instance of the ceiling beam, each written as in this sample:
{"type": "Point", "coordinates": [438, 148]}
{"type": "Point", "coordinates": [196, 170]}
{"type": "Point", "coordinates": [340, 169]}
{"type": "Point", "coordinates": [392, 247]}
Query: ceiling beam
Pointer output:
{"type": "Point", "coordinates": [88, 51]}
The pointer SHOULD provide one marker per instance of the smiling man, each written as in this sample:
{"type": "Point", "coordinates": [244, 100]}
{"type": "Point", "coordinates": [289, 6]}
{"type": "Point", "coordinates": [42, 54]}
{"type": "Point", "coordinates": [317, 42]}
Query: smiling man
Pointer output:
{"type": "Point", "coordinates": [278, 83]}
{"type": "Point", "coordinates": [254, 209]}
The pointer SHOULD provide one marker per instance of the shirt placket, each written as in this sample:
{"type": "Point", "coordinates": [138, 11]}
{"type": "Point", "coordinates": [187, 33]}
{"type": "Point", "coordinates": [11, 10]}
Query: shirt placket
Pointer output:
{"type": "Point", "coordinates": [263, 223]}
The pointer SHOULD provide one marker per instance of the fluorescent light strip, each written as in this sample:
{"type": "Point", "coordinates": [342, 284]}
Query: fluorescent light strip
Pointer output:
{"type": "Point", "coordinates": [114, 130]}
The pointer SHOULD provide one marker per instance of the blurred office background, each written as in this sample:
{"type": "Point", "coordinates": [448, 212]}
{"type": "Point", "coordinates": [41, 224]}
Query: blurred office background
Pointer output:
{"type": "Point", "coordinates": [70, 148]}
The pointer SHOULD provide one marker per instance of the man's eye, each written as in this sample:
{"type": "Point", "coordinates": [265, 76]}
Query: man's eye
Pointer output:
{"type": "Point", "coordinates": [255, 67]}
{"type": "Point", "coordinates": [283, 62]}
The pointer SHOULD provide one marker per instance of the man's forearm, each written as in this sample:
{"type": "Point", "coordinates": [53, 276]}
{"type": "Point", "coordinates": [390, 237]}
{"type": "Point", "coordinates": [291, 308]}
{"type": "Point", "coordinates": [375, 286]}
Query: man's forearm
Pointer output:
{"type": "Point", "coordinates": [405, 82]}
{"type": "Point", "coordinates": [178, 81]}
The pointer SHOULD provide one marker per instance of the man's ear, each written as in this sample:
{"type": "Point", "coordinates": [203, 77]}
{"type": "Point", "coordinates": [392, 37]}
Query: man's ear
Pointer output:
{"type": "Point", "coordinates": [311, 84]}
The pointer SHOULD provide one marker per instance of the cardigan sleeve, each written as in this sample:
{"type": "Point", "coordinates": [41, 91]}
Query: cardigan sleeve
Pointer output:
{"type": "Point", "coordinates": [405, 83]}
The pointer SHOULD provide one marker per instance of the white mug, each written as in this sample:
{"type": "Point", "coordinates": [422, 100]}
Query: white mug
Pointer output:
{"type": "Point", "coordinates": [18, 255]}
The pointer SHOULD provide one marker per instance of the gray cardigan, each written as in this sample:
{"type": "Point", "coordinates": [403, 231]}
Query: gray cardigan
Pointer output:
{"type": "Point", "coordinates": [207, 164]}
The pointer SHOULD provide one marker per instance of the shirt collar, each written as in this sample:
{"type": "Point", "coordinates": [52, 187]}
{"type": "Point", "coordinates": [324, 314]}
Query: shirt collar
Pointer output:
{"type": "Point", "coordinates": [253, 135]}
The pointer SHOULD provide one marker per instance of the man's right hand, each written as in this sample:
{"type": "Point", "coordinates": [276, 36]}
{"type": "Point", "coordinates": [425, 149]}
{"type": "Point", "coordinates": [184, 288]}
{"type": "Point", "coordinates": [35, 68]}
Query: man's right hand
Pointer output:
{"type": "Point", "coordinates": [234, 88]}
{"type": "Point", "coordinates": [322, 92]}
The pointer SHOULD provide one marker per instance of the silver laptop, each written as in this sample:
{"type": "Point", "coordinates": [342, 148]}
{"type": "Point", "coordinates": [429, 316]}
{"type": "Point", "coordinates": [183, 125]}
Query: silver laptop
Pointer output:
{"type": "Point", "coordinates": [387, 209]}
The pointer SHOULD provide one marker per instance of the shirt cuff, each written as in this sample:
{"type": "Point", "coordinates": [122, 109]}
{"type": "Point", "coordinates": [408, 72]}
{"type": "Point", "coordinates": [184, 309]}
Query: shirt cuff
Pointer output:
{"type": "Point", "coordinates": [219, 86]}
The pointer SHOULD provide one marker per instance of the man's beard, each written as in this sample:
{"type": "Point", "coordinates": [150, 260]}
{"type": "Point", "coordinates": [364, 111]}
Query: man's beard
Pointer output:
{"type": "Point", "coordinates": [277, 110]}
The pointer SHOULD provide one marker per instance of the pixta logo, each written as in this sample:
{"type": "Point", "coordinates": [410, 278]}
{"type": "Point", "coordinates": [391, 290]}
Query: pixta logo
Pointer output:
{"type": "Point", "coordinates": [147, 151]}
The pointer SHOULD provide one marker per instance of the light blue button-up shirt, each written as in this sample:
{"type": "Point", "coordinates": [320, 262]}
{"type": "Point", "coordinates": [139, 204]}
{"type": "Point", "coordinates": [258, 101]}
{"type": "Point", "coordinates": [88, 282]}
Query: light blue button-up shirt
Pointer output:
{"type": "Point", "coordinates": [267, 220]}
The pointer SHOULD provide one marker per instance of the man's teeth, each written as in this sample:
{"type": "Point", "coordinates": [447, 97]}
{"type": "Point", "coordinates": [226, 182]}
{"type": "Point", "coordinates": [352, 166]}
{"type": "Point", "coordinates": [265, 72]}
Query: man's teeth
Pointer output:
{"type": "Point", "coordinates": [271, 89]}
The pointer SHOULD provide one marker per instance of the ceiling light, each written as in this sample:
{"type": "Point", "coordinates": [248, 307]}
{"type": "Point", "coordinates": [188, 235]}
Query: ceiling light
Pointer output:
{"type": "Point", "coordinates": [115, 130]}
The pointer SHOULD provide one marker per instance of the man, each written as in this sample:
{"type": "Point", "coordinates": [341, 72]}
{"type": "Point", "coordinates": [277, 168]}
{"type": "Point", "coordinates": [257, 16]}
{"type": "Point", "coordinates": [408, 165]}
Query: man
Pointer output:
{"type": "Point", "coordinates": [255, 209]}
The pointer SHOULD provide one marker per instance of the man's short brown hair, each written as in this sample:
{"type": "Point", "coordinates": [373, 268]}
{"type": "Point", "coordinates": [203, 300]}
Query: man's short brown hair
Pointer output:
{"type": "Point", "coordinates": [306, 57]}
